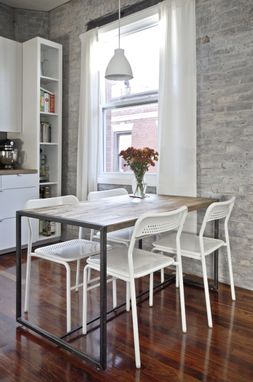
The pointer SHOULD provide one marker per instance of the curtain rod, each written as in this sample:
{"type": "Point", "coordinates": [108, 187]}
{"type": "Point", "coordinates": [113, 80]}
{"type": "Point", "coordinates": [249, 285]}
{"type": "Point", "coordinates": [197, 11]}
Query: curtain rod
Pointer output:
{"type": "Point", "coordinates": [103, 20]}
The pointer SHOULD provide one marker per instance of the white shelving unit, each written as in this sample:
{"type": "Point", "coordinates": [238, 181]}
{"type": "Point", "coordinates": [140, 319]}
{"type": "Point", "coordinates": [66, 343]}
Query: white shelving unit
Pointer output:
{"type": "Point", "coordinates": [42, 73]}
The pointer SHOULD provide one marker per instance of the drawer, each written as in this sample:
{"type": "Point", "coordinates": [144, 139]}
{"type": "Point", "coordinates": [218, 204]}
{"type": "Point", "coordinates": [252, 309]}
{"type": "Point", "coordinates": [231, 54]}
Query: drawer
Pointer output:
{"type": "Point", "coordinates": [13, 200]}
{"type": "Point", "coordinates": [8, 233]}
{"type": "Point", "coordinates": [18, 181]}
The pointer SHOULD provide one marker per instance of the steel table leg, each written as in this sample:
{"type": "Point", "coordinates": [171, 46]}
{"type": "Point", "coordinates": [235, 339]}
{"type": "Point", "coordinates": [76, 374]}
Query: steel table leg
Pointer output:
{"type": "Point", "coordinates": [18, 267]}
{"type": "Point", "coordinates": [103, 299]}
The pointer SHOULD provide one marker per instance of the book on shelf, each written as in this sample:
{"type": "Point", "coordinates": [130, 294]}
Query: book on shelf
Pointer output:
{"type": "Point", "coordinates": [47, 101]}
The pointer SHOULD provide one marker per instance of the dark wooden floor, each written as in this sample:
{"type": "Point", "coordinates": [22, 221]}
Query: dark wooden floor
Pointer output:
{"type": "Point", "coordinates": [224, 353]}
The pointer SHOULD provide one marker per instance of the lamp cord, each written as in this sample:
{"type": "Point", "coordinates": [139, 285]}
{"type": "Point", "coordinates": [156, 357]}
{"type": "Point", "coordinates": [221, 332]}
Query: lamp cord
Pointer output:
{"type": "Point", "coordinates": [119, 24]}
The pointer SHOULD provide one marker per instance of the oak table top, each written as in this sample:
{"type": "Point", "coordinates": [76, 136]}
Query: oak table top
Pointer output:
{"type": "Point", "coordinates": [116, 212]}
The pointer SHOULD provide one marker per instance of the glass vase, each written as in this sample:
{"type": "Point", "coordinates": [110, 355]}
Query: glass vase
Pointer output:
{"type": "Point", "coordinates": [139, 186]}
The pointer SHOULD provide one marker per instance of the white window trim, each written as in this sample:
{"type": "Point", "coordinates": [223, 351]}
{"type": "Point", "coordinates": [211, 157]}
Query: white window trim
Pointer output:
{"type": "Point", "coordinates": [125, 178]}
{"type": "Point", "coordinates": [139, 20]}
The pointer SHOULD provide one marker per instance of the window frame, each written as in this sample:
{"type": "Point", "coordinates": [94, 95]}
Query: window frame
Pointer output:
{"type": "Point", "coordinates": [131, 24]}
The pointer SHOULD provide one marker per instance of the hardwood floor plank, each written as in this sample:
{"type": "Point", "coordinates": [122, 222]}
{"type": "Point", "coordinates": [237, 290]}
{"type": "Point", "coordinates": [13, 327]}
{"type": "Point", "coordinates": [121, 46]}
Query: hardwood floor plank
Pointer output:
{"type": "Point", "coordinates": [221, 354]}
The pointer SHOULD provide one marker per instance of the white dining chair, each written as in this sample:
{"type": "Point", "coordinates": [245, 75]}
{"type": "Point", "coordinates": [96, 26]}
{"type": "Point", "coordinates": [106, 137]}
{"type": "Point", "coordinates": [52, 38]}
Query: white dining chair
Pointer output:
{"type": "Point", "coordinates": [132, 263]}
{"type": "Point", "coordinates": [63, 253]}
{"type": "Point", "coordinates": [122, 236]}
{"type": "Point", "coordinates": [198, 247]}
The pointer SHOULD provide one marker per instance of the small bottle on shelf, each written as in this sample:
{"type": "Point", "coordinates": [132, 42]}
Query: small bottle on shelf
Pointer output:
{"type": "Point", "coordinates": [44, 169]}
{"type": "Point", "coordinates": [46, 229]}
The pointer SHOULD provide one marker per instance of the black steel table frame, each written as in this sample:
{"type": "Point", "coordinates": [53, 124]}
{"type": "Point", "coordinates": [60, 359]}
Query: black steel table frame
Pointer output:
{"type": "Point", "coordinates": [101, 363]}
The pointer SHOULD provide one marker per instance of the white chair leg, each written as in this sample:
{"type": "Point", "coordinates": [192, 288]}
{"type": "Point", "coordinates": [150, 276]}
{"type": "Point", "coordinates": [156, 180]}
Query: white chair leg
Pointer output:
{"type": "Point", "coordinates": [177, 277]}
{"type": "Point", "coordinates": [230, 269]}
{"type": "Point", "coordinates": [114, 293]}
{"type": "Point", "coordinates": [135, 325]}
{"type": "Point", "coordinates": [151, 288]}
{"type": "Point", "coordinates": [127, 297]}
{"type": "Point", "coordinates": [179, 274]}
{"type": "Point", "coordinates": [162, 275]}
{"type": "Point", "coordinates": [207, 297]}
{"type": "Point", "coordinates": [77, 274]}
{"type": "Point", "coordinates": [89, 275]}
{"type": "Point", "coordinates": [68, 296]}
{"type": "Point", "coordinates": [85, 282]}
{"type": "Point", "coordinates": [27, 282]}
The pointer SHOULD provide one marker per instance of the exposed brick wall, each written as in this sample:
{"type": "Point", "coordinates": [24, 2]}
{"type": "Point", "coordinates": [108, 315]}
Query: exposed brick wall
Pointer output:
{"type": "Point", "coordinates": [225, 118]}
{"type": "Point", "coordinates": [224, 77]}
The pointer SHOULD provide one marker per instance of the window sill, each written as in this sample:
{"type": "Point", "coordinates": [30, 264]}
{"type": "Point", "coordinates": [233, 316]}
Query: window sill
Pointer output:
{"type": "Point", "coordinates": [125, 179]}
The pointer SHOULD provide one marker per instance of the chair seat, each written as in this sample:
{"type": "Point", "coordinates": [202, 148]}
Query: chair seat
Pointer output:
{"type": "Point", "coordinates": [70, 250]}
{"type": "Point", "coordinates": [189, 244]}
{"type": "Point", "coordinates": [122, 236]}
{"type": "Point", "coordinates": [144, 262]}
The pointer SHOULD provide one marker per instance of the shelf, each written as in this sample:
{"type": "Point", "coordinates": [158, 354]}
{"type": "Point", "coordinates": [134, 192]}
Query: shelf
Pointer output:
{"type": "Point", "coordinates": [42, 184]}
{"type": "Point", "coordinates": [48, 144]}
{"type": "Point", "coordinates": [48, 79]}
{"type": "Point", "coordinates": [48, 238]}
{"type": "Point", "coordinates": [45, 113]}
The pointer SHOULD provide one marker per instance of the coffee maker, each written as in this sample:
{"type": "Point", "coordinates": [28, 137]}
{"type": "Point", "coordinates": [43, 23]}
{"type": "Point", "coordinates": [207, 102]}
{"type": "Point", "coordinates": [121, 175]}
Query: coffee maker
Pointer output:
{"type": "Point", "coordinates": [8, 154]}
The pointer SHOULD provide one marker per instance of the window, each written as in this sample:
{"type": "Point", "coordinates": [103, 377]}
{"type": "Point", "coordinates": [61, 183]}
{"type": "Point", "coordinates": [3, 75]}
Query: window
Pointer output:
{"type": "Point", "coordinates": [130, 108]}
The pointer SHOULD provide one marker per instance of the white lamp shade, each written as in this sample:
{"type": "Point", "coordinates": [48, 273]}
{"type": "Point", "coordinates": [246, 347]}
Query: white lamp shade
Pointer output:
{"type": "Point", "coordinates": [118, 68]}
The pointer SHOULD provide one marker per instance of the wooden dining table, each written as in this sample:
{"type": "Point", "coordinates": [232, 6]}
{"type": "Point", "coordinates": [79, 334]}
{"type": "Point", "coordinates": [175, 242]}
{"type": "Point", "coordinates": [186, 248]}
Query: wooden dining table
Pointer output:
{"type": "Point", "coordinates": [106, 215]}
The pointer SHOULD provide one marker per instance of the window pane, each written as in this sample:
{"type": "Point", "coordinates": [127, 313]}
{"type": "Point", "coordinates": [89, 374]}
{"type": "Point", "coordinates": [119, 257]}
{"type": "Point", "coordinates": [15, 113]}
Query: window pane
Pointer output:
{"type": "Point", "coordinates": [144, 60]}
{"type": "Point", "coordinates": [129, 126]}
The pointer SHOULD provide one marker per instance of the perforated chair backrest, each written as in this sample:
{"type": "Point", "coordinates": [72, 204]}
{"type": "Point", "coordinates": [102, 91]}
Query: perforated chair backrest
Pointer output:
{"type": "Point", "coordinates": [218, 211]}
{"type": "Point", "coordinates": [96, 195]}
{"type": "Point", "coordinates": [47, 202]}
{"type": "Point", "coordinates": [50, 202]}
{"type": "Point", "coordinates": [153, 224]}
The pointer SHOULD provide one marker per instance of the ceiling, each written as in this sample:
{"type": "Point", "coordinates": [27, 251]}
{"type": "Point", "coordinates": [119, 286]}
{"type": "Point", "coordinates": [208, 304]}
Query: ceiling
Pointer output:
{"type": "Point", "coordinates": [39, 5]}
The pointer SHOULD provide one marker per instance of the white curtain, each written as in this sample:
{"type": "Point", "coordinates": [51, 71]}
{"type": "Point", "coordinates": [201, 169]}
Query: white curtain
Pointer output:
{"type": "Point", "coordinates": [87, 150]}
{"type": "Point", "coordinates": [177, 99]}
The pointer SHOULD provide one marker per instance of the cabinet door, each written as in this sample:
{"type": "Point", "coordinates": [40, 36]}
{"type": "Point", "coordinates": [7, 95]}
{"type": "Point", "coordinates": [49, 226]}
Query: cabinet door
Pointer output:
{"type": "Point", "coordinates": [14, 200]}
{"type": "Point", "coordinates": [19, 181]}
{"type": "Point", "coordinates": [10, 85]}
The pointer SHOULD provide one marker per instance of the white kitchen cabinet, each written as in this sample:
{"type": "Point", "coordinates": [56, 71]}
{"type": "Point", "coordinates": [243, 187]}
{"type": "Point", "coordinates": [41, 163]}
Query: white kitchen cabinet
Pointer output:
{"type": "Point", "coordinates": [15, 190]}
{"type": "Point", "coordinates": [10, 85]}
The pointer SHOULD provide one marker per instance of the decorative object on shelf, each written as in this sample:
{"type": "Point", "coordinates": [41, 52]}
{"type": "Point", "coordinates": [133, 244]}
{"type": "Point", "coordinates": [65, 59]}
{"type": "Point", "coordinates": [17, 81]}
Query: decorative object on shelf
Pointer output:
{"type": "Point", "coordinates": [44, 169]}
{"type": "Point", "coordinates": [45, 132]}
{"type": "Point", "coordinates": [45, 192]}
{"type": "Point", "coordinates": [43, 67]}
{"type": "Point", "coordinates": [139, 160]}
{"type": "Point", "coordinates": [118, 68]}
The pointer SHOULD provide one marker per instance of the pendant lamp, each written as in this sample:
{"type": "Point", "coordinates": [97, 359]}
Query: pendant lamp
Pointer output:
{"type": "Point", "coordinates": [118, 68]}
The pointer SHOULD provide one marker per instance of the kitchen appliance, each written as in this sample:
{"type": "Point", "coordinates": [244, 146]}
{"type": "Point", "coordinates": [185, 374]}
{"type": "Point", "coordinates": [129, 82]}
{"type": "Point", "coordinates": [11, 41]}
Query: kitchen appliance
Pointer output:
{"type": "Point", "coordinates": [8, 154]}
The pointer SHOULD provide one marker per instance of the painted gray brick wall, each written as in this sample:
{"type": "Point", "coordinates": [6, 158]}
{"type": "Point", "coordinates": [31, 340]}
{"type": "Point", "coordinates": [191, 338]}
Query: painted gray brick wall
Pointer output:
{"type": "Point", "coordinates": [224, 117]}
